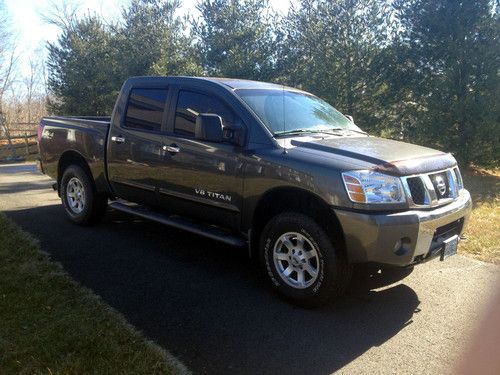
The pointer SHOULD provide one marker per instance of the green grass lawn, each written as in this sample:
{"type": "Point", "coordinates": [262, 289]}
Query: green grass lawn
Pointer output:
{"type": "Point", "coordinates": [51, 325]}
{"type": "Point", "coordinates": [483, 231]}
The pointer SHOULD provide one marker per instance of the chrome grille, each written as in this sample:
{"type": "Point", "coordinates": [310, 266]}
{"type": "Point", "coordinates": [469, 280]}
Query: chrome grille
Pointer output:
{"type": "Point", "coordinates": [417, 189]}
{"type": "Point", "coordinates": [433, 189]}
{"type": "Point", "coordinates": [441, 184]}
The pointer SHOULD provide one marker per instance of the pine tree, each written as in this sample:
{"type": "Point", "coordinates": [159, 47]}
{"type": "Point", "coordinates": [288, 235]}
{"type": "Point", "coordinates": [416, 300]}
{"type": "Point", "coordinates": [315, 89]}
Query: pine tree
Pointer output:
{"type": "Point", "coordinates": [90, 60]}
{"type": "Point", "coordinates": [331, 49]}
{"type": "Point", "coordinates": [81, 68]}
{"type": "Point", "coordinates": [451, 54]}
{"type": "Point", "coordinates": [151, 40]}
{"type": "Point", "coordinates": [235, 38]}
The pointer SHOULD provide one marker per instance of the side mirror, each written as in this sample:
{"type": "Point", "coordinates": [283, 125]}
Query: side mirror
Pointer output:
{"type": "Point", "coordinates": [351, 119]}
{"type": "Point", "coordinates": [209, 127]}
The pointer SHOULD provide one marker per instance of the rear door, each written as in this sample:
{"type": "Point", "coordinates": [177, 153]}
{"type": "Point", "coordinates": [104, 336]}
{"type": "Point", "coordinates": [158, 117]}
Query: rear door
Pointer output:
{"type": "Point", "coordinates": [204, 179]}
{"type": "Point", "coordinates": [135, 149]}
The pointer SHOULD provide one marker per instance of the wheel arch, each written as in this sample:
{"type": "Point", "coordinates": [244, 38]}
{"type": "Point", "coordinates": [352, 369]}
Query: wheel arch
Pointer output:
{"type": "Point", "coordinates": [283, 199]}
{"type": "Point", "coordinates": [68, 158]}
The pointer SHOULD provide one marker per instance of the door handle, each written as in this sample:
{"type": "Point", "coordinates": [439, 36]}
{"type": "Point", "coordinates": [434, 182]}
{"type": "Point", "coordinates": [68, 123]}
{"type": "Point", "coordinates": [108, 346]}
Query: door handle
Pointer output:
{"type": "Point", "coordinates": [174, 149]}
{"type": "Point", "coordinates": [118, 139]}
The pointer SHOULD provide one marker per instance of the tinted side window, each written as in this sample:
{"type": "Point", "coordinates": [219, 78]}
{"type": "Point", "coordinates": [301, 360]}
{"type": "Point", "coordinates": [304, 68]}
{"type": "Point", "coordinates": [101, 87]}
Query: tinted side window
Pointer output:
{"type": "Point", "coordinates": [190, 104]}
{"type": "Point", "coordinates": [145, 109]}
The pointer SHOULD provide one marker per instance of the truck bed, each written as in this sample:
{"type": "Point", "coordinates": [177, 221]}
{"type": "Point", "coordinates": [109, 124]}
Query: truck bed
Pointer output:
{"type": "Point", "coordinates": [102, 122]}
{"type": "Point", "coordinates": [62, 138]}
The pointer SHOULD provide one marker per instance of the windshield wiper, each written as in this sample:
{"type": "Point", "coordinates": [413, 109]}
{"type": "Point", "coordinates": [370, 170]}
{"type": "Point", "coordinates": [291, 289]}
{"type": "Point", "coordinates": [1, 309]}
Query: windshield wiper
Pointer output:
{"type": "Point", "coordinates": [327, 131]}
{"type": "Point", "coordinates": [332, 131]}
{"type": "Point", "coordinates": [295, 131]}
{"type": "Point", "coordinates": [358, 131]}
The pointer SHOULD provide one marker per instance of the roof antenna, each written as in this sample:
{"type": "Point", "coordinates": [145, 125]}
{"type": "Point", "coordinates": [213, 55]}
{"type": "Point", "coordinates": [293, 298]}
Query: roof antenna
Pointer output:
{"type": "Point", "coordinates": [284, 121]}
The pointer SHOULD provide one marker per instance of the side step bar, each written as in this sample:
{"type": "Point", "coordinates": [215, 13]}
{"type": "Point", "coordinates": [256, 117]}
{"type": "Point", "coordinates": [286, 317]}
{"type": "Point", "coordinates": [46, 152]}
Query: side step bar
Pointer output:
{"type": "Point", "coordinates": [180, 223]}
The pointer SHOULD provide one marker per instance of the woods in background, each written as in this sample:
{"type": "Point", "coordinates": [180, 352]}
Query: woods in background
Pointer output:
{"type": "Point", "coordinates": [426, 71]}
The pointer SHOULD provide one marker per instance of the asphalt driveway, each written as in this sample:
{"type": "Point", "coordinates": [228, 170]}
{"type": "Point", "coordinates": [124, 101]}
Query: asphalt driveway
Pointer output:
{"type": "Point", "coordinates": [210, 307]}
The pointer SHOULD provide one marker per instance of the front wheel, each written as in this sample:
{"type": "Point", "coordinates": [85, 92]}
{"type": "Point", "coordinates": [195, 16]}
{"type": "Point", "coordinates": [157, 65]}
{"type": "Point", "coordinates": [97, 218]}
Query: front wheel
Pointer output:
{"type": "Point", "coordinates": [81, 203]}
{"type": "Point", "coordinates": [301, 260]}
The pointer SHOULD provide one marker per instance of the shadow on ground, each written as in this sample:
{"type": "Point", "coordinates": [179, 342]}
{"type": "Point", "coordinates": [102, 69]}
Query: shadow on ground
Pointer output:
{"type": "Point", "coordinates": [208, 305]}
{"type": "Point", "coordinates": [15, 187]}
{"type": "Point", "coordinates": [18, 168]}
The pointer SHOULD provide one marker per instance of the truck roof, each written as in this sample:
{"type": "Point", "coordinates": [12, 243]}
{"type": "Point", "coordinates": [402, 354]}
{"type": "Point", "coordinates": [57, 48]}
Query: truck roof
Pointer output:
{"type": "Point", "coordinates": [231, 83]}
{"type": "Point", "coordinates": [236, 83]}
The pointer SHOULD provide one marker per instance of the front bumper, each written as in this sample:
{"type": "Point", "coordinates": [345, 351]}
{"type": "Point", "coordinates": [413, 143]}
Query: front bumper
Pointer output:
{"type": "Point", "coordinates": [402, 238]}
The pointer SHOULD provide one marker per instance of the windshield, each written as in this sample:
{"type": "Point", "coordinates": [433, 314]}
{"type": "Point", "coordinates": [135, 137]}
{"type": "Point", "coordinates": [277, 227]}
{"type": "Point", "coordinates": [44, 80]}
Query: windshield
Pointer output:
{"type": "Point", "coordinates": [285, 111]}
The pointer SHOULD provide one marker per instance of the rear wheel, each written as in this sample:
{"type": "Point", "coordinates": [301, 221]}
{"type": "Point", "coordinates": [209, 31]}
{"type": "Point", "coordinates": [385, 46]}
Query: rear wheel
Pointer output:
{"type": "Point", "coordinates": [301, 260]}
{"type": "Point", "coordinates": [81, 203]}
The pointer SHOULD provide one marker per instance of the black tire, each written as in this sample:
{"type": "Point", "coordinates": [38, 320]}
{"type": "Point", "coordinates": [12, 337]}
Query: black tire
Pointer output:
{"type": "Point", "coordinates": [333, 271]}
{"type": "Point", "coordinates": [93, 206]}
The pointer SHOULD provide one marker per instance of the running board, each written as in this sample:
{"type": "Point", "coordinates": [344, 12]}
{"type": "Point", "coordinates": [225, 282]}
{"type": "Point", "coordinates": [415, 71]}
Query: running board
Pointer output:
{"type": "Point", "coordinates": [180, 223]}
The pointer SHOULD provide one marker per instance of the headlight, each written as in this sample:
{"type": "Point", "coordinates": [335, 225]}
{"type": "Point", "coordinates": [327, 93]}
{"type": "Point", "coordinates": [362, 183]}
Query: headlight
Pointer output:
{"type": "Point", "coordinates": [373, 187]}
{"type": "Point", "coordinates": [460, 182]}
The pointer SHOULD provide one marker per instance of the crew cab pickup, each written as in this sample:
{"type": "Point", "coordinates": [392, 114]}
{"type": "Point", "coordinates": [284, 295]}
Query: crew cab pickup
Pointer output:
{"type": "Point", "coordinates": [260, 165]}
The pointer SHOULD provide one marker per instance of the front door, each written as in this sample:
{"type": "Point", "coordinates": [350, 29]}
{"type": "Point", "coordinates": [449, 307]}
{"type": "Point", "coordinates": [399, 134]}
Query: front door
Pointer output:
{"type": "Point", "coordinates": [135, 149]}
{"type": "Point", "coordinates": [204, 179]}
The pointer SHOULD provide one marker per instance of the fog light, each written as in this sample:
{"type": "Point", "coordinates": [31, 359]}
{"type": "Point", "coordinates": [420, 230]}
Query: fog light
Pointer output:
{"type": "Point", "coordinates": [402, 246]}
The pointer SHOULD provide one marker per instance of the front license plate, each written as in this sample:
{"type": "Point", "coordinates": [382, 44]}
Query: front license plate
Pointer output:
{"type": "Point", "coordinates": [449, 247]}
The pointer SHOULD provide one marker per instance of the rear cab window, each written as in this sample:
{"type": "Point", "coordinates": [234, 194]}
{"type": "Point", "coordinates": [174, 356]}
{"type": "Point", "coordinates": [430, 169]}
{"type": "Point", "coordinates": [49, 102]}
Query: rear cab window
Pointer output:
{"type": "Point", "coordinates": [145, 109]}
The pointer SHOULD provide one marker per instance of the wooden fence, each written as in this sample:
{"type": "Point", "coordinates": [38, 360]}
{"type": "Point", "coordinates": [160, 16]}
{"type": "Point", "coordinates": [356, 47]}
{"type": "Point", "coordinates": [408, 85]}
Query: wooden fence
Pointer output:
{"type": "Point", "coordinates": [18, 141]}
{"type": "Point", "coordinates": [18, 129]}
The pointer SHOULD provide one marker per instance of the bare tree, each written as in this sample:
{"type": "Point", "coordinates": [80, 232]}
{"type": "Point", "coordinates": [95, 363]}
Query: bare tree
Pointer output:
{"type": "Point", "coordinates": [5, 82]}
{"type": "Point", "coordinates": [4, 75]}
{"type": "Point", "coordinates": [62, 14]}
{"type": "Point", "coordinates": [6, 59]}
{"type": "Point", "coordinates": [7, 64]}
{"type": "Point", "coordinates": [32, 86]}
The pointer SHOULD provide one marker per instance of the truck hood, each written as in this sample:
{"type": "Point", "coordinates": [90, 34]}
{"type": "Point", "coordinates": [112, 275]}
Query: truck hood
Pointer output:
{"type": "Point", "coordinates": [384, 155]}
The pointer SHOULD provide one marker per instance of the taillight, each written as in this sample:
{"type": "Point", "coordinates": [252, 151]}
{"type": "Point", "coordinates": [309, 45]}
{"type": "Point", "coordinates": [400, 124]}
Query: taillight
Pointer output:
{"type": "Point", "coordinates": [39, 132]}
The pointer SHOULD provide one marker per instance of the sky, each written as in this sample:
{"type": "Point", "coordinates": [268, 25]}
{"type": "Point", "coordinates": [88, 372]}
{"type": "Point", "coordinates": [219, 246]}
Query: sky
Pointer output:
{"type": "Point", "coordinates": [32, 32]}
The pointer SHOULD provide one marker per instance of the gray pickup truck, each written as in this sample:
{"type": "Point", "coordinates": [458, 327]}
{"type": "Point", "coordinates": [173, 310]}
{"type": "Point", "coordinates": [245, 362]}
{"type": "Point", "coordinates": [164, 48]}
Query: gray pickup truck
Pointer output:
{"type": "Point", "coordinates": [260, 165]}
